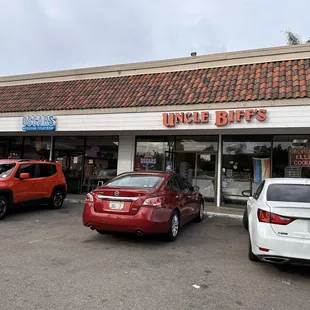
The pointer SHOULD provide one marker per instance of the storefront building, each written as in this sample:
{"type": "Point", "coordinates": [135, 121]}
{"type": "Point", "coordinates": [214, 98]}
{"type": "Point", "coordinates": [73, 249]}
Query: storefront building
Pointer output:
{"type": "Point", "coordinates": [223, 121]}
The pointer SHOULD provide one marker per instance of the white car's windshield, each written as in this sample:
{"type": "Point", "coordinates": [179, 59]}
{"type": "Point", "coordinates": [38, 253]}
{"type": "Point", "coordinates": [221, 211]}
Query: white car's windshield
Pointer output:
{"type": "Point", "coordinates": [134, 180]}
{"type": "Point", "coordinates": [289, 193]}
{"type": "Point", "coordinates": [6, 169]}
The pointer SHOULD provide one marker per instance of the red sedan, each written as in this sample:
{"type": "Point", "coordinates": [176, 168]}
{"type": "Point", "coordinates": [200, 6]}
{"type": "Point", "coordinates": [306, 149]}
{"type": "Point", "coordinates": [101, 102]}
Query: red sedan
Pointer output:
{"type": "Point", "coordinates": [143, 203]}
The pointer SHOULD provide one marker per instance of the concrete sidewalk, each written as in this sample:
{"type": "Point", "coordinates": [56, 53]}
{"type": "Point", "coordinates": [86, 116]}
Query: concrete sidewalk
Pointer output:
{"type": "Point", "coordinates": [211, 210]}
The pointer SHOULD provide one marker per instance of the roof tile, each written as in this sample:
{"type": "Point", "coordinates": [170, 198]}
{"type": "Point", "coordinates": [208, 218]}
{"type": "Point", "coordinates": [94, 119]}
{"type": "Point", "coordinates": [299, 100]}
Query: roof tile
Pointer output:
{"type": "Point", "coordinates": [261, 81]}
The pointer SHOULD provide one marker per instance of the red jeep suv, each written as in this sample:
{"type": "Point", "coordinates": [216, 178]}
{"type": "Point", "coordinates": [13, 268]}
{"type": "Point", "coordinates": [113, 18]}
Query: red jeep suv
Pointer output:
{"type": "Point", "coordinates": [30, 181]}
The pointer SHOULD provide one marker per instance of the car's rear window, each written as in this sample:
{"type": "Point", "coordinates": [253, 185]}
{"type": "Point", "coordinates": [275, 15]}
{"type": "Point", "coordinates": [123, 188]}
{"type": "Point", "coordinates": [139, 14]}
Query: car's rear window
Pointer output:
{"type": "Point", "coordinates": [289, 193]}
{"type": "Point", "coordinates": [140, 181]}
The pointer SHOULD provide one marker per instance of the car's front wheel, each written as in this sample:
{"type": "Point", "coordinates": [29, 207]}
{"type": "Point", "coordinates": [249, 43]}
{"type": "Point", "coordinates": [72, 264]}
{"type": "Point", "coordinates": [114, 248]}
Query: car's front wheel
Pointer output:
{"type": "Point", "coordinates": [57, 199]}
{"type": "Point", "coordinates": [4, 206]}
{"type": "Point", "coordinates": [174, 227]}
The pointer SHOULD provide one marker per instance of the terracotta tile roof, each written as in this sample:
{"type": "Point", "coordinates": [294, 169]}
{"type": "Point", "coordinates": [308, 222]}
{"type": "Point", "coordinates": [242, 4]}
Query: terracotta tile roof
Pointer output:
{"type": "Point", "coordinates": [263, 81]}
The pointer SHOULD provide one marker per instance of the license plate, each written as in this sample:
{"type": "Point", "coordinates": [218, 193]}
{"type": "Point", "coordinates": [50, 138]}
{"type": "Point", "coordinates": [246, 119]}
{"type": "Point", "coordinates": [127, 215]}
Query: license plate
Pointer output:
{"type": "Point", "coordinates": [116, 205]}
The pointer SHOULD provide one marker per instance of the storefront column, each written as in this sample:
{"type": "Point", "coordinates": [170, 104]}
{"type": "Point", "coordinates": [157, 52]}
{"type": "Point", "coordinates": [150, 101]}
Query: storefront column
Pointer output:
{"type": "Point", "coordinates": [219, 173]}
{"type": "Point", "coordinates": [126, 153]}
{"type": "Point", "coordinates": [51, 148]}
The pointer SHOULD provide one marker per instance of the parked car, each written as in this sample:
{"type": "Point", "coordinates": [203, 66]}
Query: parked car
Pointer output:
{"type": "Point", "coordinates": [277, 218]}
{"type": "Point", "coordinates": [30, 181]}
{"type": "Point", "coordinates": [143, 203]}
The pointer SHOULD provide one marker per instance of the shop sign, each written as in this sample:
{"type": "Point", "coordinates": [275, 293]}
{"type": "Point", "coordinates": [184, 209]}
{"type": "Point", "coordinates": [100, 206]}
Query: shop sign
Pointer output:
{"type": "Point", "coordinates": [222, 118]}
{"type": "Point", "coordinates": [300, 157]}
{"type": "Point", "coordinates": [148, 161]}
{"type": "Point", "coordinates": [39, 122]}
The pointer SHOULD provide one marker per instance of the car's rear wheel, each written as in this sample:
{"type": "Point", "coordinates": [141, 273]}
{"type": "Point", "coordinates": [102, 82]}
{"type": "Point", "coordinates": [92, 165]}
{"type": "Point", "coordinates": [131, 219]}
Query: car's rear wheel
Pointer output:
{"type": "Point", "coordinates": [252, 257]}
{"type": "Point", "coordinates": [201, 213]}
{"type": "Point", "coordinates": [4, 206]}
{"type": "Point", "coordinates": [174, 227]}
{"type": "Point", "coordinates": [245, 220]}
{"type": "Point", "coordinates": [57, 199]}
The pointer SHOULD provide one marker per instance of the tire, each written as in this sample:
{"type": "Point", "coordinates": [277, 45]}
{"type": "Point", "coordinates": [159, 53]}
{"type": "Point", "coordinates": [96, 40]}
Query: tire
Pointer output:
{"type": "Point", "coordinates": [174, 227]}
{"type": "Point", "coordinates": [251, 256]}
{"type": "Point", "coordinates": [245, 220]}
{"type": "Point", "coordinates": [57, 199]}
{"type": "Point", "coordinates": [4, 207]}
{"type": "Point", "coordinates": [201, 214]}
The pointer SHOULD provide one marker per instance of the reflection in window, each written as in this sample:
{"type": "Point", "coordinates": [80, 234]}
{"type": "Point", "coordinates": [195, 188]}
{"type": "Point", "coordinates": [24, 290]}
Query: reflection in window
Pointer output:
{"type": "Point", "coordinates": [100, 160]}
{"type": "Point", "coordinates": [150, 152]}
{"type": "Point", "coordinates": [197, 144]}
{"type": "Point", "coordinates": [37, 148]}
{"type": "Point", "coordinates": [246, 162]}
{"type": "Point", "coordinates": [287, 150]}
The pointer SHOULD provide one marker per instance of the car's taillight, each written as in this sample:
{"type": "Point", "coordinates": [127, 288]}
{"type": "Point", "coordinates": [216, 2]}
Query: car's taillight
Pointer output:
{"type": "Point", "coordinates": [272, 218]}
{"type": "Point", "coordinates": [153, 202]}
{"type": "Point", "coordinates": [89, 198]}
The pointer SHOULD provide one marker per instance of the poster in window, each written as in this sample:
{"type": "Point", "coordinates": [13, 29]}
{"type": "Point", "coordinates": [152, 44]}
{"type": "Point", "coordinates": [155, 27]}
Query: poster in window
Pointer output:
{"type": "Point", "coordinates": [262, 169]}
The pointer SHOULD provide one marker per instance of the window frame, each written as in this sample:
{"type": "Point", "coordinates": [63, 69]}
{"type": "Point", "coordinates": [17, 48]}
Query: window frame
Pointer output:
{"type": "Point", "coordinates": [36, 171]}
{"type": "Point", "coordinates": [177, 181]}
{"type": "Point", "coordinates": [259, 190]}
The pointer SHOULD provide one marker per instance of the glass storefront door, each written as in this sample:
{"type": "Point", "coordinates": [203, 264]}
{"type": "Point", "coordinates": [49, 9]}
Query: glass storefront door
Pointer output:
{"type": "Point", "coordinates": [199, 169]}
{"type": "Point", "coordinates": [205, 175]}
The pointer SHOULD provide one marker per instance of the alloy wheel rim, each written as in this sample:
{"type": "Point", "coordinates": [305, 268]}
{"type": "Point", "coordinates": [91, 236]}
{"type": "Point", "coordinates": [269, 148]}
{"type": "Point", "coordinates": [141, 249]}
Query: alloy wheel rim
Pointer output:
{"type": "Point", "coordinates": [57, 199]}
{"type": "Point", "coordinates": [175, 225]}
{"type": "Point", "coordinates": [2, 207]}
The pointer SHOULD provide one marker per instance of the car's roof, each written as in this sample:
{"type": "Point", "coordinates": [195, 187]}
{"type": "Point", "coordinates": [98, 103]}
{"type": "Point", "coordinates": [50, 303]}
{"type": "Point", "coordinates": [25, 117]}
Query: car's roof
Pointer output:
{"type": "Point", "coordinates": [287, 181]}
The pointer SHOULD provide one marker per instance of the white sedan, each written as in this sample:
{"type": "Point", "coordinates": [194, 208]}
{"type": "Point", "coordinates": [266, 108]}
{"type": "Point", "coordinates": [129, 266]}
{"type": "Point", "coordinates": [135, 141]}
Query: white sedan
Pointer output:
{"type": "Point", "coordinates": [277, 218]}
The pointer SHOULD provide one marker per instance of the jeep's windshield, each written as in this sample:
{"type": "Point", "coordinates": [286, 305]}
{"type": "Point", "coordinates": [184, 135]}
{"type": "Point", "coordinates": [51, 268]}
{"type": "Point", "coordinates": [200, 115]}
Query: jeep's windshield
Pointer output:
{"type": "Point", "coordinates": [6, 169]}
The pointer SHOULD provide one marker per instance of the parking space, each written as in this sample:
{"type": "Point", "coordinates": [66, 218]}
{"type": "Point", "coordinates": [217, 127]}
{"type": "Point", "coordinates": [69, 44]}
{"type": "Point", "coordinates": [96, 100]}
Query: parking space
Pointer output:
{"type": "Point", "coordinates": [50, 261]}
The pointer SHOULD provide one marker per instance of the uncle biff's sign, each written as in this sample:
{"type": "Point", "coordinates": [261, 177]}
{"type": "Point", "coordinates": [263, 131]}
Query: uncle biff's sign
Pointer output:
{"type": "Point", "coordinates": [222, 118]}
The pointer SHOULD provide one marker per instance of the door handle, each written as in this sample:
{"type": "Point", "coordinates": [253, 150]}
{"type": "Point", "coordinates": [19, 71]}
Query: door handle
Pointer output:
{"type": "Point", "coordinates": [177, 196]}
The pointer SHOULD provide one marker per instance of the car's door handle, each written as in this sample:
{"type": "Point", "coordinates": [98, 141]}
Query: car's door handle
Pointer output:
{"type": "Point", "coordinates": [176, 196]}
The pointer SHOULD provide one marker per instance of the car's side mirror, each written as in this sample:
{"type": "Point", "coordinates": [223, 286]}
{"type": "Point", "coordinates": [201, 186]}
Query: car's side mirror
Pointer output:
{"type": "Point", "coordinates": [24, 176]}
{"type": "Point", "coordinates": [196, 188]}
{"type": "Point", "coordinates": [246, 193]}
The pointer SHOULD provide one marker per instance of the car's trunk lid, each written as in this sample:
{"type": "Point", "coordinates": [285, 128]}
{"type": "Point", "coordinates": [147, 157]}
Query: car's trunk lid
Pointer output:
{"type": "Point", "coordinates": [300, 212]}
{"type": "Point", "coordinates": [120, 200]}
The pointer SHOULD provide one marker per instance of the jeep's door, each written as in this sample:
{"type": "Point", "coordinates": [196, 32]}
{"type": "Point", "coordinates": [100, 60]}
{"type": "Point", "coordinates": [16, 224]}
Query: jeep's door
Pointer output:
{"type": "Point", "coordinates": [25, 189]}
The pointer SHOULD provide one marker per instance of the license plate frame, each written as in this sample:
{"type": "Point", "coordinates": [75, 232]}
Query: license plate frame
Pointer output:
{"type": "Point", "coordinates": [116, 205]}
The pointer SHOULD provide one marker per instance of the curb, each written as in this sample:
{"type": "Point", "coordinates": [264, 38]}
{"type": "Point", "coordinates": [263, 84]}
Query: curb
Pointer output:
{"type": "Point", "coordinates": [77, 201]}
{"type": "Point", "coordinates": [227, 215]}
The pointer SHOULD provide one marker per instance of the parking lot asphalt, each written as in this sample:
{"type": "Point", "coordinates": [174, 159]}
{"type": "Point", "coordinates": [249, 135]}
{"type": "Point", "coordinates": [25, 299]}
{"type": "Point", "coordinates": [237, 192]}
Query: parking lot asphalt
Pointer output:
{"type": "Point", "coordinates": [48, 260]}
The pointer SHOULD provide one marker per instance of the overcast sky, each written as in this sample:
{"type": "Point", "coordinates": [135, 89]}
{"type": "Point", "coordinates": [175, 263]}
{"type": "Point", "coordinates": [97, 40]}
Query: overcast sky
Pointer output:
{"type": "Point", "coordinates": [45, 35]}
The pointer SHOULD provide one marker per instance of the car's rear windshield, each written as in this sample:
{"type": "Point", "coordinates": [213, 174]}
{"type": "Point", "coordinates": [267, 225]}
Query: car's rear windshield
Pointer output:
{"type": "Point", "coordinates": [135, 180]}
{"type": "Point", "coordinates": [6, 169]}
{"type": "Point", "coordinates": [289, 193]}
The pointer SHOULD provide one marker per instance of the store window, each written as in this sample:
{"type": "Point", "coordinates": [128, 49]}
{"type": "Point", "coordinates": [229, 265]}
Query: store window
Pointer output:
{"type": "Point", "coordinates": [291, 156]}
{"type": "Point", "coordinates": [246, 162]}
{"type": "Point", "coordinates": [151, 152]}
{"type": "Point", "coordinates": [196, 143]}
{"type": "Point", "coordinates": [69, 153]}
{"type": "Point", "coordinates": [16, 148]}
{"type": "Point", "coordinates": [37, 148]}
{"type": "Point", "coordinates": [100, 161]}
{"type": "Point", "coordinates": [4, 147]}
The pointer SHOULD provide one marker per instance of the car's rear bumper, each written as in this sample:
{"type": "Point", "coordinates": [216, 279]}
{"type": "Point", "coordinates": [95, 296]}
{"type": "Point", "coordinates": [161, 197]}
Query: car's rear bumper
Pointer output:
{"type": "Point", "coordinates": [147, 220]}
{"type": "Point", "coordinates": [290, 249]}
